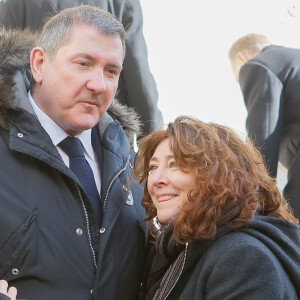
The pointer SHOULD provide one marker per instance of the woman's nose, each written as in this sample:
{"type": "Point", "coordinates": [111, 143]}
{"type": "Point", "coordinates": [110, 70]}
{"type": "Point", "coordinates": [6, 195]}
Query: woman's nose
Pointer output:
{"type": "Point", "coordinates": [160, 176]}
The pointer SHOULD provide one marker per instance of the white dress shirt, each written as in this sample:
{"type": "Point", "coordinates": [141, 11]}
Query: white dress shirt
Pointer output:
{"type": "Point", "coordinates": [57, 134]}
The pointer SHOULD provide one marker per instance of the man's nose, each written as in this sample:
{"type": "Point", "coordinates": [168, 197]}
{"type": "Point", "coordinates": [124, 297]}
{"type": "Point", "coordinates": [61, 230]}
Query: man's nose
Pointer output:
{"type": "Point", "coordinates": [97, 83]}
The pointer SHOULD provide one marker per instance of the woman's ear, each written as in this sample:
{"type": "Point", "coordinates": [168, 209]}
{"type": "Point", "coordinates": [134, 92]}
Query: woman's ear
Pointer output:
{"type": "Point", "coordinates": [37, 59]}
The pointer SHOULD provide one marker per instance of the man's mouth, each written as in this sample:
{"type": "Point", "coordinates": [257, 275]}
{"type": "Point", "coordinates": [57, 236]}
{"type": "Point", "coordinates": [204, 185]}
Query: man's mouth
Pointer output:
{"type": "Point", "coordinates": [92, 103]}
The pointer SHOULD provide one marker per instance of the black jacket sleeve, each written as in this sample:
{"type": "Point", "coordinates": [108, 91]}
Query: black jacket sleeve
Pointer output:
{"type": "Point", "coordinates": [21, 14]}
{"type": "Point", "coordinates": [11, 13]}
{"type": "Point", "coordinates": [137, 87]}
{"type": "Point", "coordinates": [262, 92]}
{"type": "Point", "coordinates": [4, 297]}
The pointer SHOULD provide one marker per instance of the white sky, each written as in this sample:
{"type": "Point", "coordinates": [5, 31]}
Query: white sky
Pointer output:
{"type": "Point", "coordinates": [188, 43]}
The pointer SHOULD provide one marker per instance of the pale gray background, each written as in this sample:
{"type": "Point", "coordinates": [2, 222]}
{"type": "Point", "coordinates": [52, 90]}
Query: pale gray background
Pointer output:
{"type": "Point", "coordinates": [188, 43]}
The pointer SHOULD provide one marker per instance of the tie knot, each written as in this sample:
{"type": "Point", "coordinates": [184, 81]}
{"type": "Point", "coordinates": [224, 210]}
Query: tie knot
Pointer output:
{"type": "Point", "coordinates": [72, 147]}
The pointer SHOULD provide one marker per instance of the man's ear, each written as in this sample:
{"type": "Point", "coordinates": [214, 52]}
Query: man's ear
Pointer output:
{"type": "Point", "coordinates": [243, 57]}
{"type": "Point", "coordinates": [37, 59]}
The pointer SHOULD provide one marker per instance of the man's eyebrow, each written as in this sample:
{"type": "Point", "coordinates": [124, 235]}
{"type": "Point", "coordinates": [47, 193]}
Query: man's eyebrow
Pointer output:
{"type": "Point", "coordinates": [85, 55]}
{"type": "Point", "coordinates": [117, 66]}
{"type": "Point", "coordinates": [93, 59]}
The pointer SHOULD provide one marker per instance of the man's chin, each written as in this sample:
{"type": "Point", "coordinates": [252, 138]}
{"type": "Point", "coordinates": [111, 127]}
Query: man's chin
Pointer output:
{"type": "Point", "coordinates": [81, 126]}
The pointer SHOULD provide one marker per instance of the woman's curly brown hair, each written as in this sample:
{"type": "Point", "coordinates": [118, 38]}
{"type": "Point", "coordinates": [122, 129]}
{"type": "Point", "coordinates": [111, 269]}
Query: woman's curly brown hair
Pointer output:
{"type": "Point", "coordinates": [232, 181]}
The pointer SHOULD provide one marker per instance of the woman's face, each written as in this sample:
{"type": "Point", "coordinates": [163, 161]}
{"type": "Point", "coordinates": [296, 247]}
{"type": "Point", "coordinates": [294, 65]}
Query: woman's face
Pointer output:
{"type": "Point", "coordinates": [167, 184]}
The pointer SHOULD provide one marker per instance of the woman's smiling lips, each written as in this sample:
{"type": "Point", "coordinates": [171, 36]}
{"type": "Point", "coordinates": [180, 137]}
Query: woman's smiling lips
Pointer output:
{"type": "Point", "coordinates": [165, 197]}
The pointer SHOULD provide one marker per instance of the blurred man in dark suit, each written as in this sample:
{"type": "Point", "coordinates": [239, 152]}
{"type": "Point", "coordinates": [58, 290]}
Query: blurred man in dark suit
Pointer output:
{"type": "Point", "coordinates": [269, 77]}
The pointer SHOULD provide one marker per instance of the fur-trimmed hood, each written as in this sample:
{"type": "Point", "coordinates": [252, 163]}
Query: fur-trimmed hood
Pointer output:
{"type": "Point", "coordinates": [15, 76]}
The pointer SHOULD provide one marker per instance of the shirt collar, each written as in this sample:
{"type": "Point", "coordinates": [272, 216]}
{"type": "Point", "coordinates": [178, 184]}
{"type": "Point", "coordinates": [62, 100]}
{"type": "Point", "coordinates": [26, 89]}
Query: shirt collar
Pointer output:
{"type": "Point", "coordinates": [86, 140]}
{"type": "Point", "coordinates": [57, 134]}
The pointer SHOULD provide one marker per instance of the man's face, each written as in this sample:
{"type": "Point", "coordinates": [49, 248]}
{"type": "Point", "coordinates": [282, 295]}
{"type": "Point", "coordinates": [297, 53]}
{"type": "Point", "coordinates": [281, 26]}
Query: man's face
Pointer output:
{"type": "Point", "coordinates": [76, 88]}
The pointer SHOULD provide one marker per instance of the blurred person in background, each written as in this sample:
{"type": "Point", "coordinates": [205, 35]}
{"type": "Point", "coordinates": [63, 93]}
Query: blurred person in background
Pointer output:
{"type": "Point", "coordinates": [269, 77]}
{"type": "Point", "coordinates": [137, 87]}
{"type": "Point", "coordinates": [222, 228]}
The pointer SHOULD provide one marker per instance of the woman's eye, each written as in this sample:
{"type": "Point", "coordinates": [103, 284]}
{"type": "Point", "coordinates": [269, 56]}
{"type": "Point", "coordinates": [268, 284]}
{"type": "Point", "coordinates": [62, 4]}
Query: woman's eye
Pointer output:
{"type": "Point", "coordinates": [173, 164]}
{"type": "Point", "coordinates": [152, 168]}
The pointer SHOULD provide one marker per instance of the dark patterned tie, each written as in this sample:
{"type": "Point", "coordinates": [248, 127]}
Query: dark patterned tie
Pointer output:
{"type": "Point", "coordinates": [81, 168]}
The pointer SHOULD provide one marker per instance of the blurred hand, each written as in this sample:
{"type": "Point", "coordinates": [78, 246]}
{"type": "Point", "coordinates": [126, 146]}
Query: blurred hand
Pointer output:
{"type": "Point", "coordinates": [11, 292]}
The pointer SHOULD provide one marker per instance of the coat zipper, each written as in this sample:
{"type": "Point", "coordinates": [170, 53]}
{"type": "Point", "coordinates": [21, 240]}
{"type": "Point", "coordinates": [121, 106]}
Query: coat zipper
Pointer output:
{"type": "Point", "coordinates": [110, 185]}
{"type": "Point", "coordinates": [88, 226]}
{"type": "Point", "coordinates": [104, 206]}
{"type": "Point", "coordinates": [113, 180]}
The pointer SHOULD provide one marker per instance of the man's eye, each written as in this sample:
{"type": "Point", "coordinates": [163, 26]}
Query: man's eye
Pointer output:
{"type": "Point", "coordinates": [113, 72]}
{"type": "Point", "coordinates": [83, 63]}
